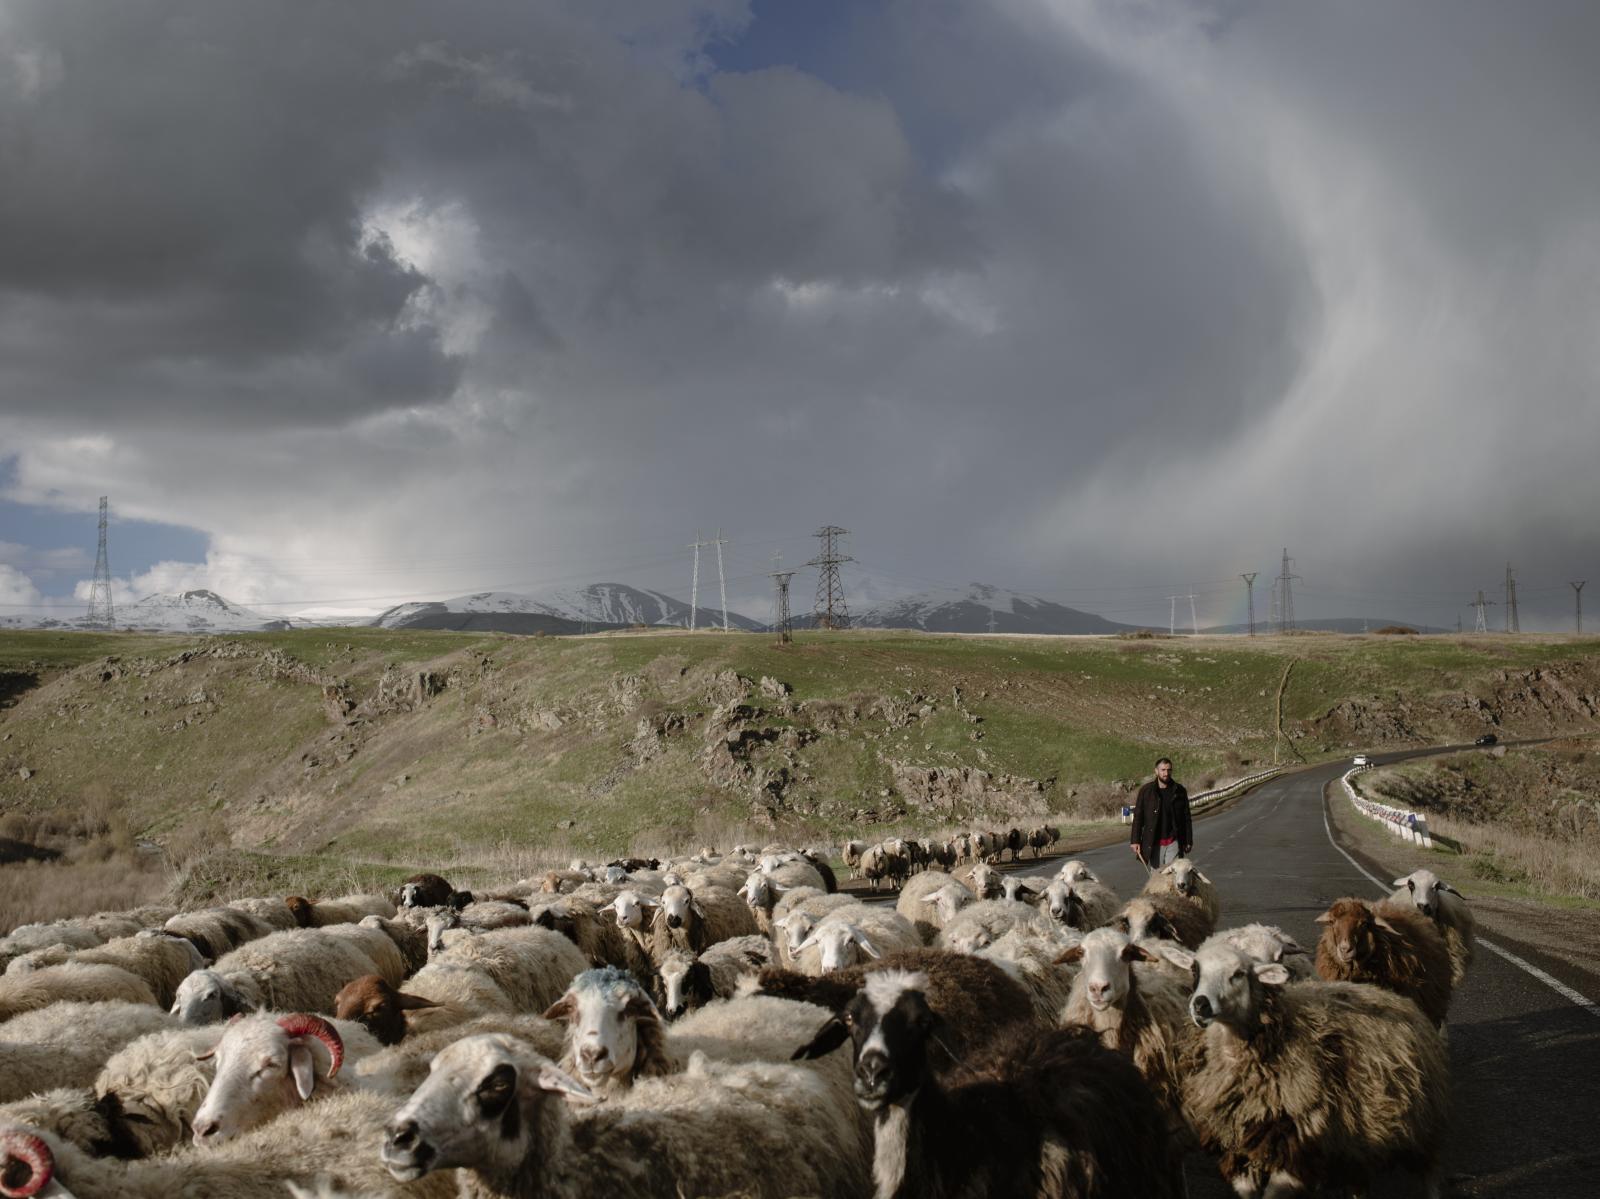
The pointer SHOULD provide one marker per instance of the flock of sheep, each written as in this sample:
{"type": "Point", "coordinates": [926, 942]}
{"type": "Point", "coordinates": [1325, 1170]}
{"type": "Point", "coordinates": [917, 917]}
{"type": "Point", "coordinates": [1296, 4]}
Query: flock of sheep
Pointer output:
{"type": "Point", "coordinates": [679, 1029]}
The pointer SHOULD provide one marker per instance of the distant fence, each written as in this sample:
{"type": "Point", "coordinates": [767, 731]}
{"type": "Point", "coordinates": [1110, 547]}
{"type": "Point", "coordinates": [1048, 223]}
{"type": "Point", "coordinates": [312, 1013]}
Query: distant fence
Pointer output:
{"type": "Point", "coordinates": [1202, 801]}
{"type": "Point", "coordinates": [1407, 825]}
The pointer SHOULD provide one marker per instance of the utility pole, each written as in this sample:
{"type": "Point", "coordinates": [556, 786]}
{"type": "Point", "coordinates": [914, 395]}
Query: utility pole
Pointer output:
{"type": "Point", "coordinates": [1512, 624]}
{"type": "Point", "coordinates": [1286, 597]}
{"type": "Point", "coordinates": [1458, 622]}
{"type": "Point", "coordinates": [1250, 600]}
{"type": "Point", "coordinates": [780, 580]}
{"type": "Point", "coordinates": [101, 613]}
{"type": "Point", "coordinates": [1577, 595]}
{"type": "Point", "coordinates": [694, 587]}
{"type": "Point", "coordinates": [722, 582]}
{"type": "Point", "coordinates": [831, 611]}
{"type": "Point", "coordinates": [1172, 615]}
{"type": "Point", "coordinates": [991, 620]}
{"type": "Point", "coordinates": [1480, 604]}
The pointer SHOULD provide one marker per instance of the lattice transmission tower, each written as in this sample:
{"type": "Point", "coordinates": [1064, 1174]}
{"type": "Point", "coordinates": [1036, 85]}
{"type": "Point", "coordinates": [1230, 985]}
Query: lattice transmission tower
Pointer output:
{"type": "Point", "coordinates": [831, 612]}
{"type": "Point", "coordinates": [102, 615]}
{"type": "Point", "coordinates": [1250, 600]}
{"type": "Point", "coordinates": [1513, 625]}
{"type": "Point", "coordinates": [781, 618]}
{"type": "Point", "coordinates": [1481, 606]}
{"type": "Point", "coordinates": [1286, 594]}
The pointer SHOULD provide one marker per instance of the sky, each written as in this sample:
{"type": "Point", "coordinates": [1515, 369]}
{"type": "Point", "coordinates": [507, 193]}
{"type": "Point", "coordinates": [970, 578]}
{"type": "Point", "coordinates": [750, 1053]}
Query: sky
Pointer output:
{"type": "Point", "coordinates": [344, 305]}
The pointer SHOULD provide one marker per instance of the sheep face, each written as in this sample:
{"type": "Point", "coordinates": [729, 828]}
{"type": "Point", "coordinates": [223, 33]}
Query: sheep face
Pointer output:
{"type": "Point", "coordinates": [1350, 930]}
{"type": "Point", "coordinates": [1017, 889]}
{"type": "Point", "coordinates": [796, 927]}
{"type": "Point", "coordinates": [602, 1011]}
{"type": "Point", "coordinates": [986, 882]}
{"type": "Point", "coordinates": [629, 909]}
{"type": "Point", "coordinates": [375, 1005]}
{"type": "Point", "coordinates": [1186, 877]}
{"type": "Point", "coordinates": [685, 982]}
{"type": "Point", "coordinates": [678, 907]}
{"type": "Point", "coordinates": [759, 892]}
{"type": "Point", "coordinates": [1141, 920]}
{"type": "Point", "coordinates": [839, 944]}
{"type": "Point", "coordinates": [439, 923]}
{"type": "Point", "coordinates": [479, 1108]}
{"type": "Point", "coordinates": [205, 997]}
{"type": "Point", "coordinates": [1064, 904]}
{"type": "Point", "coordinates": [1424, 887]}
{"type": "Point", "coordinates": [888, 1023]}
{"type": "Point", "coordinates": [264, 1067]}
{"type": "Point", "coordinates": [1228, 985]}
{"type": "Point", "coordinates": [1076, 871]}
{"type": "Point", "coordinates": [1107, 970]}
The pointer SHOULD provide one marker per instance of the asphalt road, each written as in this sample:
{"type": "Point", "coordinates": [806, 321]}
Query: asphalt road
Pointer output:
{"type": "Point", "coordinates": [1525, 1060]}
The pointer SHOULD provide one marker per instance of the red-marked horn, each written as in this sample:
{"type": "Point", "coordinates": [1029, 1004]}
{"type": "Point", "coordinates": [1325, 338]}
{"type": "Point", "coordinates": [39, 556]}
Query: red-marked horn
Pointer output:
{"type": "Point", "coordinates": [24, 1147]}
{"type": "Point", "coordinates": [303, 1024]}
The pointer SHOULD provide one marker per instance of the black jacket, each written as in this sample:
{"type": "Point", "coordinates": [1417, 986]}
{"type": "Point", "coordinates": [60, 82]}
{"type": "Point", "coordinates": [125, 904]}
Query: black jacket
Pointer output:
{"type": "Point", "coordinates": [1146, 814]}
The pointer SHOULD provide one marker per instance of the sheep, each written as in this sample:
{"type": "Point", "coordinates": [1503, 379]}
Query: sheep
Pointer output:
{"type": "Point", "coordinates": [1392, 945]}
{"type": "Point", "coordinates": [601, 941]}
{"type": "Point", "coordinates": [874, 865]}
{"type": "Point", "coordinates": [65, 1044]}
{"type": "Point", "coordinates": [697, 920]}
{"type": "Point", "coordinates": [327, 1146]}
{"type": "Point", "coordinates": [531, 965]}
{"type": "Point", "coordinates": [685, 981]}
{"type": "Point", "coordinates": [910, 902]}
{"type": "Point", "coordinates": [981, 923]}
{"type": "Point", "coordinates": [273, 912]}
{"type": "Point", "coordinates": [425, 891]}
{"type": "Point", "coordinates": [454, 993]}
{"type": "Point", "coordinates": [29, 938]}
{"type": "Point", "coordinates": [218, 931]}
{"type": "Point", "coordinates": [614, 1031]}
{"type": "Point", "coordinates": [1075, 869]}
{"type": "Point", "coordinates": [1268, 943]}
{"type": "Point", "coordinates": [850, 854]}
{"type": "Point", "coordinates": [347, 909]}
{"type": "Point", "coordinates": [410, 942]}
{"type": "Point", "coordinates": [1135, 1009]}
{"type": "Point", "coordinates": [1084, 904]}
{"type": "Point", "coordinates": [1037, 1113]}
{"type": "Point", "coordinates": [941, 906]}
{"type": "Point", "coordinates": [75, 1116]}
{"type": "Point", "coordinates": [844, 934]}
{"type": "Point", "coordinates": [162, 959]}
{"type": "Point", "coordinates": [378, 1006]}
{"type": "Point", "coordinates": [150, 1089]}
{"type": "Point", "coordinates": [798, 871]}
{"type": "Point", "coordinates": [791, 928]}
{"type": "Point", "coordinates": [1183, 879]}
{"type": "Point", "coordinates": [1151, 918]}
{"type": "Point", "coordinates": [82, 981]}
{"type": "Point", "coordinates": [1015, 840]}
{"type": "Point", "coordinates": [983, 880]}
{"type": "Point", "coordinates": [1303, 1085]}
{"type": "Point", "coordinates": [697, 1133]}
{"type": "Point", "coordinates": [400, 1069]}
{"type": "Point", "coordinates": [973, 997]}
{"type": "Point", "coordinates": [1448, 909]}
{"type": "Point", "coordinates": [298, 970]}
{"type": "Point", "coordinates": [266, 1065]}
{"type": "Point", "coordinates": [1042, 838]}
{"type": "Point", "coordinates": [1033, 958]}
{"type": "Point", "coordinates": [1022, 888]}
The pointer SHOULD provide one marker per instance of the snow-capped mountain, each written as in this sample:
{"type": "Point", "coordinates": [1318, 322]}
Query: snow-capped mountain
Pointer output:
{"type": "Point", "coordinates": [193, 612]}
{"type": "Point", "coordinates": [558, 610]}
{"type": "Point", "coordinates": [981, 609]}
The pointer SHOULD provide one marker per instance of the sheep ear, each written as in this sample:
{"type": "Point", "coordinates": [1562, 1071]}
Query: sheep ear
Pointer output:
{"type": "Point", "coordinates": [552, 1078]}
{"type": "Point", "coordinates": [1274, 974]}
{"type": "Point", "coordinates": [829, 1037]}
{"type": "Point", "coordinates": [1202, 878]}
{"type": "Point", "coordinates": [303, 1070]}
{"type": "Point", "coordinates": [1075, 954]}
{"type": "Point", "coordinates": [934, 898]}
{"type": "Point", "coordinates": [1167, 869]}
{"type": "Point", "coordinates": [1325, 918]}
{"type": "Point", "coordinates": [562, 1009]}
{"type": "Point", "coordinates": [810, 940]}
{"type": "Point", "coordinates": [697, 909]}
{"type": "Point", "coordinates": [1290, 946]}
{"type": "Point", "coordinates": [861, 940]}
{"type": "Point", "coordinates": [413, 1003]}
{"type": "Point", "coordinates": [1132, 952]}
{"type": "Point", "coordinates": [1452, 890]}
{"type": "Point", "coordinates": [1383, 923]}
{"type": "Point", "coordinates": [1179, 957]}
{"type": "Point", "coordinates": [1405, 882]}
{"type": "Point", "coordinates": [207, 1055]}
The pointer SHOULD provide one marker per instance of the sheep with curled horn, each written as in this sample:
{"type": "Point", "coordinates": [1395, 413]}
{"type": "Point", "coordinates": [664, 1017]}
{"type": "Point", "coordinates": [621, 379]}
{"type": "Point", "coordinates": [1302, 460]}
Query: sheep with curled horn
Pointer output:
{"type": "Point", "coordinates": [1390, 945]}
{"type": "Point", "coordinates": [502, 1115]}
{"type": "Point", "coordinates": [1447, 908]}
{"type": "Point", "coordinates": [1183, 879]}
{"type": "Point", "coordinates": [1307, 1084]}
{"type": "Point", "coordinates": [1037, 1113]}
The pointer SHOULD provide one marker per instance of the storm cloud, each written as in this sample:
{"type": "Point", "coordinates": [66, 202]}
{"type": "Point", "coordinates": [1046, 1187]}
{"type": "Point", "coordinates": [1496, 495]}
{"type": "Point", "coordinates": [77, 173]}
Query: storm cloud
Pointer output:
{"type": "Point", "coordinates": [403, 299]}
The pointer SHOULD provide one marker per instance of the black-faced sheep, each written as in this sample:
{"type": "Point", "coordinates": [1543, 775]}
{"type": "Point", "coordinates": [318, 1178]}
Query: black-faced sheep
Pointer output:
{"type": "Point", "coordinates": [684, 982]}
{"type": "Point", "coordinates": [1448, 909]}
{"type": "Point", "coordinates": [1035, 1113]}
{"type": "Point", "coordinates": [1306, 1085]}
{"type": "Point", "coordinates": [1393, 946]}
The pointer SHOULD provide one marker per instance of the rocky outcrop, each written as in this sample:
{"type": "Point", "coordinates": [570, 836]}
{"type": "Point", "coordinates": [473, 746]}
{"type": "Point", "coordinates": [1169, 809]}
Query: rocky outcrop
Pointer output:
{"type": "Point", "coordinates": [960, 792]}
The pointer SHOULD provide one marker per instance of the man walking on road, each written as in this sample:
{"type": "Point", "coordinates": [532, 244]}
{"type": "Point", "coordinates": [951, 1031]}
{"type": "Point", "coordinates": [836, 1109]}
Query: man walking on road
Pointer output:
{"type": "Point", "coordinates": [1162, 831]}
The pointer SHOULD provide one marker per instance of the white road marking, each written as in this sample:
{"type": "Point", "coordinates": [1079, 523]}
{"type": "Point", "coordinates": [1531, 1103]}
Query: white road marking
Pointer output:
{"type": "Point", "coordinates": [1555, 984]}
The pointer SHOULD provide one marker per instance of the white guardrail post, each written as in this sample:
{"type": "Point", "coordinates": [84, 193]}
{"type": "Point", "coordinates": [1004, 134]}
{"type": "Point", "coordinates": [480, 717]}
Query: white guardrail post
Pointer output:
{"type": "Point", "coordinates": [1205, 799]}
{"type": "Point", "coordinates": [1411, 826]}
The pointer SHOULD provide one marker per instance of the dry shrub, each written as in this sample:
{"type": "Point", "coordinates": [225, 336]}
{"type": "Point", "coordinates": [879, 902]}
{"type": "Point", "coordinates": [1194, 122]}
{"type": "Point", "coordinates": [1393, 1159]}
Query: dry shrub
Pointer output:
{"type": "Point", "coordinates": [1395, 630]}
{"type": "Point", "coordinates": [1565, 865]}
{"type": "Point", "coordinates": [1101, 801]}
{"type": "Point", "coordinates": [40, 891]}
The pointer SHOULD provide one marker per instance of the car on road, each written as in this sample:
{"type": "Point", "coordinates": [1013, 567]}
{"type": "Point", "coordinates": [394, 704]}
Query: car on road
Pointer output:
{"type": "Point", "coordinates": [1486, 739]}
{"type": "Point", "coordinates": [1361, 760]}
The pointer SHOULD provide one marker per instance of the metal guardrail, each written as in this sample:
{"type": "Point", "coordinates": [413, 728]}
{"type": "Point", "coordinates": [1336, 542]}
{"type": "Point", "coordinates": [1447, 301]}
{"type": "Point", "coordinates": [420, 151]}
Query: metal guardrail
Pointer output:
{"type": "Point", "coordinates": [1405, 824]}
{"type": "Point", "coordinates": [1198, 803]}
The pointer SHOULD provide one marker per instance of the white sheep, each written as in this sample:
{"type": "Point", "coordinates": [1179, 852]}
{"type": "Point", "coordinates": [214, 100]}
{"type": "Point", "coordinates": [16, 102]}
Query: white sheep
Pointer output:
{"type": "Point", "coordinates": [910, 902]}
{"type": "Point", "coordinates": [1183, 879]}
{"type": "Point", "coordinates": [1032, 956]}
{"type": "Point", "coordinates": [697, 919]}
{"type": "Point", "coordinates": [218, 931]}
{"type": "Point", "coordinates": [982, 923]}
{"type": "Point", "coordinates": [1268, 943]}
{"type": "Point", "coordinates": [845, 934]}
{"type": "Point", "coordinates": [299, 970]}
{"type": "Point", "coordinates": [1083, 904]}
{"type": "Point", "coordinates": [1075, 870]}
{"type": "Point", "coordinates": [685, 981]}
{"type": "Point", "coordinates": [346, 909]}
{"type": "Point", "coordinates": [533, 966]}
{"type": "Point", "coordinates": [66, 1044]}
{"type": "Point", "coordinates": [162, 959]}
{"type": "Point", "coordinates": [80, 981]}
{"type": "Point", "coordinates": [695, 1133]}
{"type": "Point", "coordinates": [1448, 909]}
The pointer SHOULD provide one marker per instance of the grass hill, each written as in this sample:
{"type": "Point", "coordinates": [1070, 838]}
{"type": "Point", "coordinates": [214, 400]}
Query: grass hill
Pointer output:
{"type": "Point", "coordinates": [312, 756]}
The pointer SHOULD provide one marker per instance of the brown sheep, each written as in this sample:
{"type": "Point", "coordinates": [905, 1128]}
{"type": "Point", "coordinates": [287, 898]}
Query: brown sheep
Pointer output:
{"type": "Point", "coordinates": [1390, 945]}
{"type": "Point", "coordinates": [378, 1007]}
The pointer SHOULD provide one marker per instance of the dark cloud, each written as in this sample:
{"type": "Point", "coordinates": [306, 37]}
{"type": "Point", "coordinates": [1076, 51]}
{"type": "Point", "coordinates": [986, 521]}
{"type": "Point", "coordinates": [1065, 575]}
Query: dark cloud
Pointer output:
{"type": "Point", "coordinates": [1027, 292]}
